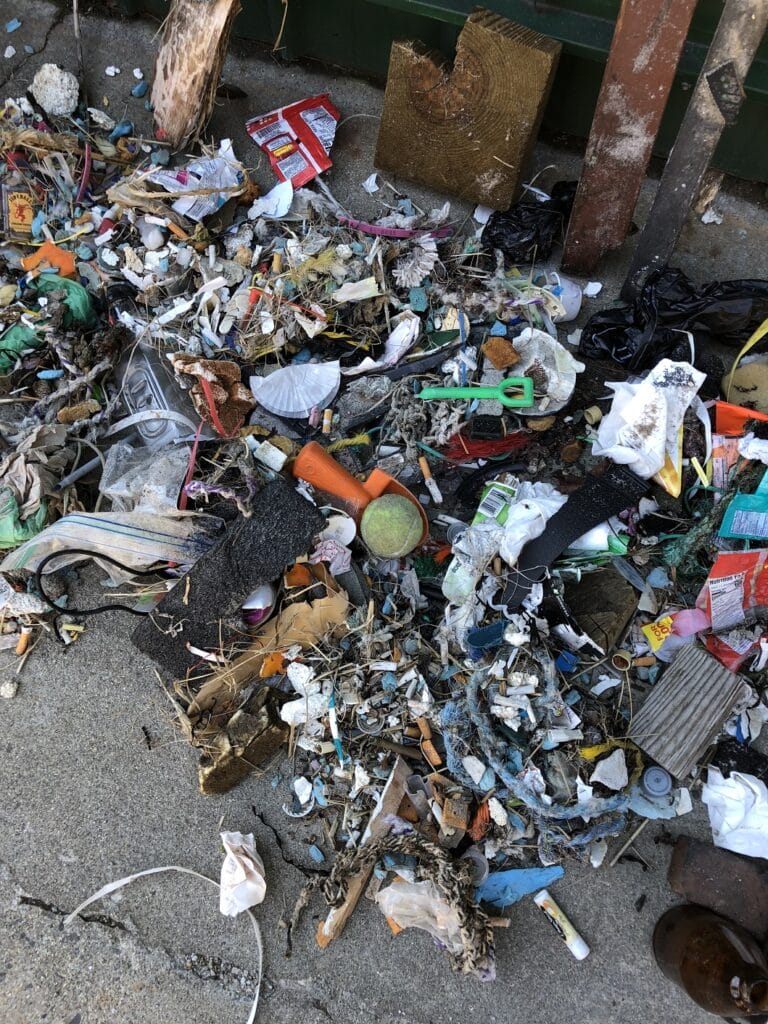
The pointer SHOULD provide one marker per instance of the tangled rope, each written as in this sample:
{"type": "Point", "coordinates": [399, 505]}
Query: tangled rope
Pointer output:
{"type": "Point", "coordinates": [452, 878]}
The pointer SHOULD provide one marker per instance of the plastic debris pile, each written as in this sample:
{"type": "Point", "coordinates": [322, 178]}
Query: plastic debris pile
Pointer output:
{"type": "Point", "coordinates": [378, 510]}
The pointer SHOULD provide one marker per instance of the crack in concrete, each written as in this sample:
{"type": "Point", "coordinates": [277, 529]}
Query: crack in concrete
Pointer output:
{"type": "Point", "coordinates": [63, 13]}
{"type": "Point", "coordinates": [206, 968]}
{"type": "Point", "coordinates": [51, 908]}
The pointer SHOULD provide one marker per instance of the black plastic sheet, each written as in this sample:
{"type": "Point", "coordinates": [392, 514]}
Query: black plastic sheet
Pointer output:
{"type": "Point", "coordinates": [530, 228]}
{"type": "Point", "coordinates": [638, 336]}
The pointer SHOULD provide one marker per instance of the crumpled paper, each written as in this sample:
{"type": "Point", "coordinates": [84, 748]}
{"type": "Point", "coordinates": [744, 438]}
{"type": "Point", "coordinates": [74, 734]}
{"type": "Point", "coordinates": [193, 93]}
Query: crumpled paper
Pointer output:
{"type": "Point", "coordinates": [243, 884]}
{"type": "Point", "coordinates": [738, 812]}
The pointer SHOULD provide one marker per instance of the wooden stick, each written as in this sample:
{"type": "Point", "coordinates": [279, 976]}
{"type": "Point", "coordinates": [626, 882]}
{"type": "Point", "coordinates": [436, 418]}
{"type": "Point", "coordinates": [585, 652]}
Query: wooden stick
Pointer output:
{"type": "Point", "coordinates": [391, 798]}
{"type": "Point", "coordinates": [715, 103]}
{"type": "Point", "coordinates": [646, 47]}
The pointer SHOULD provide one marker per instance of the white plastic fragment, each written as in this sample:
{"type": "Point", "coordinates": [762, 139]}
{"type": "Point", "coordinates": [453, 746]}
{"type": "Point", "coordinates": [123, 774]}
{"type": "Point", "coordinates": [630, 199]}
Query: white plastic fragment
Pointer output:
{"type": "Point", "coordinates": [357, 291]}
{"type": "Point", "coordinates": [138, 74]}
{"type": "Point", "coordinates": [611, 771]}
{"type": "Point", "coordinates": [592, 289]}
{"type": "Point", "coordinates": [276, 203]}
{"type": "Point", "coordinates": [711, 216]}
{"type": "Point", "coordinates": [243, 884]}
{"type": "Point", "coordinates": [371, 185]}
{"type": "Point", "coordinates": [111, 71]}
{"type": "Point", "coordinates": [482, 214]}
{"type": "Point", "coordinates": [303, 789]}
{"type": "Point", "coordinates": [10, 51]}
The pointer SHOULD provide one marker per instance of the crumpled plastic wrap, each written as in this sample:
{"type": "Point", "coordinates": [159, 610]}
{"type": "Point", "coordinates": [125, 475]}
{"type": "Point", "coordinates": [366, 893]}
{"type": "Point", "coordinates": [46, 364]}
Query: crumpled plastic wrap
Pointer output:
{"type": "Point", "coordinates": [738, 812]}
{"type": "Point", "coordinates": [641, 429]}
{"type": "Point", "coordinates": [419, 905]}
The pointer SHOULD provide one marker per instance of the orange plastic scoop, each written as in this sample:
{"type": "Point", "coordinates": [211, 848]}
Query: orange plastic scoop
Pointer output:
{"type": "Point", "coordinates": [317, 467]}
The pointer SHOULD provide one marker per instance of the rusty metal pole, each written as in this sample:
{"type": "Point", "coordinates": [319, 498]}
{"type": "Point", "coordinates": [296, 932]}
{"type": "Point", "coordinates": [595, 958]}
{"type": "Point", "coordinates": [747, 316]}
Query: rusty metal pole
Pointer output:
{"type": "Point", "coordinates": [641, 67]}
{"type": "Point", "coordinates": [715, 103]}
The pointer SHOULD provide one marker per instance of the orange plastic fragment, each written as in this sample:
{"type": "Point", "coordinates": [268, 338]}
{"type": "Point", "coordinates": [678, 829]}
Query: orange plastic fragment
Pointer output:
{"type": "Point", "coordinates": [299, 576]}
{"type": "Point", "coordinates": [272, 665]}
{"type": "Point", "coordinates": [50, 255]}
{"type": "Point", "coordinates": [481, 822]}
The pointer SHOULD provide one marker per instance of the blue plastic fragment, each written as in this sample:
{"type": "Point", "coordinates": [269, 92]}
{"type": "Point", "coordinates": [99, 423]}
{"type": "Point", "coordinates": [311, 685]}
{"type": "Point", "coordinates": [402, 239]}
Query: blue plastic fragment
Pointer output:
{"type": "Point", "coordinates": [389, 682]}
{"type": "Point", "coordinates": [485, 638]}
{"type": "Point", "coordinates": [49, 374]}
{"type": "Point", "coordinates": [28, 49]}
{"type": "Point", "coordinates": [139, 90]}
{"type": "Point", "coordinates": [12, 25]}
{"type": "Point", "coordinates": [316, 854]}
{"type": "Point", "coordinates": [487, 780]}
{"type": "Point", "coordinates": [499, 330]}
{"type": "Point", "coordinates": [120, 131]}
{"type": "Point", "coordinates": [37, 224]}
{"type": "Point", "coordinates": [318, 791]}
{"type": "Point", "coordinates": [567, 661]}
{"type": "Point", "coordinates": [658, 578]}
{"type": "Point", "coordinates": [160, 156]}
{"type": "Point", "coordinates": [417, 299]}
{"type": "Point", "coordinates": [503, 888]}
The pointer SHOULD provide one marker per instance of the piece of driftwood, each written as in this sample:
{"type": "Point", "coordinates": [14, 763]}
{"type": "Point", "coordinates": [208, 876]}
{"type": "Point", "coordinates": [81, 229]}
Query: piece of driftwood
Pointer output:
{"type": "Point", "coordinates": [686, 710]}
{"type": "Point", "coordinates": [715, 103]}
{"type": "Point", "coordinates": [391, 798]}
{"type": "Point", "coordinates": [188, 67]}
{"type": "Point", "coordinates": [468, 129]}
{"type": "Point", "coordinates": [646, 47]}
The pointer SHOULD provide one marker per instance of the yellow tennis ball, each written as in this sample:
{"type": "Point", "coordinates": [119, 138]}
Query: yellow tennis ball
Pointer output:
{"type": "Point", "coordinates": [391, 526]}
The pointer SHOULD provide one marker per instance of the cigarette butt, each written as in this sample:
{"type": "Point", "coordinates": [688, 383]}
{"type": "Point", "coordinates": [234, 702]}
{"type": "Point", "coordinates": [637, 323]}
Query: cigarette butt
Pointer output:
{"type": "Point", "coordinates": [177, 231]}
{"type": "Point", "coordinates": [430, 753]}
{"type": "Point", "coordinates": [593, 415]}
{"type": "Point", "coordinates": [277, 262]}
{"type": "Point", "coordinates": [499, 922]}
{"type": "Point", "coordinates": [23, 642]}
{"type": "Point", "coordinates": [644, 662]}
{"type": "Point", "coordinates": [327, 416]}
{"type": "Point", "coordinates": [497, 566]}
{"type": "Point", "coordinates": [424, 465]}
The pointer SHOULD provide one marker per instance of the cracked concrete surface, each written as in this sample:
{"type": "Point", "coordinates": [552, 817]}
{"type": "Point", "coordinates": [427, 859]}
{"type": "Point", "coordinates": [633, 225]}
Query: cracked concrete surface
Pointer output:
{"type": "Point", "coordinates": [86, 801]}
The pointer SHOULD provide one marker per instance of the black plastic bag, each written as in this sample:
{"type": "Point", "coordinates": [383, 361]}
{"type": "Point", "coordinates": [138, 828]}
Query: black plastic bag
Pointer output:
{"type": "Point", "coordinates": [529, 229]}
{"type": "Point", "coordinates": [638, 336]}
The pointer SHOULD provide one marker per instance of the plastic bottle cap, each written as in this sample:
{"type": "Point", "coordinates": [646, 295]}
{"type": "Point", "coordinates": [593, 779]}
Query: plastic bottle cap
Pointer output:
{"type": "Point", "coordinates": [656, 781]}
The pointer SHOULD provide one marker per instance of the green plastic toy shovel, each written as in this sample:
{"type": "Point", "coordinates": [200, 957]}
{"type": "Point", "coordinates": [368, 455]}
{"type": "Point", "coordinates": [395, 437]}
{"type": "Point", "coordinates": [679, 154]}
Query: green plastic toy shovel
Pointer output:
{"type": "Point", "coordinates": [498, 391]}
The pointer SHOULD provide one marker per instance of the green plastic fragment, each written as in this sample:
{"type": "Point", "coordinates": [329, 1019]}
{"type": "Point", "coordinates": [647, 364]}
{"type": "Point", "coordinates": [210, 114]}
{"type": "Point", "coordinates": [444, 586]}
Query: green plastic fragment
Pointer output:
{"type": "Point", "coordinates": [12, 530]}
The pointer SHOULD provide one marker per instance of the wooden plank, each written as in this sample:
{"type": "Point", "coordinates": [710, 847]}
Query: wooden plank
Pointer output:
{"type": "Point", "coordinates": [468, 130]}
{"type": "Point", "coordinates": [715, 103]}
{"type": "Point", "coordinates": [188, 66]}
{"type": "Point", "coordinates": [641, 65]}
{"type": "Point", "coordinates": [686, 710]}
{"type": "Point", "coordinates": [391, 798]}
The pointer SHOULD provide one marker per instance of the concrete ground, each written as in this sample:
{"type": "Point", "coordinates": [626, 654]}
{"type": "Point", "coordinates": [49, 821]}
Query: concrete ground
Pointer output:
{"type": "Point", "coordinates": [85, 799]}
